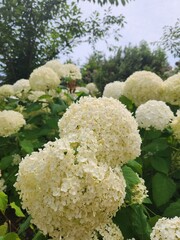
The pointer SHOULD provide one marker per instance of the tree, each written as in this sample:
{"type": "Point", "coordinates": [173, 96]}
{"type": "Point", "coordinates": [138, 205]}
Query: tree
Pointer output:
{"type": "Point", "coordinates": [35, 31]}
{"type": "Point", "coordinates": [170, 39]}
{"type": "Point", "coordinates": [125, 62]}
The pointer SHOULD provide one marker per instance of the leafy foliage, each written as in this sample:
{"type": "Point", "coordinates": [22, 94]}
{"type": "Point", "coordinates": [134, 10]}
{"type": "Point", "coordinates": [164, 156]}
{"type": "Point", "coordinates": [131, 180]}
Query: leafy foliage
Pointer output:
{"type": "Point", "coordinates": [170, 39]}
{"type": "Point", "coordinates": [34, 32]}
{"type": "Point", "coordinates": [125, 62]}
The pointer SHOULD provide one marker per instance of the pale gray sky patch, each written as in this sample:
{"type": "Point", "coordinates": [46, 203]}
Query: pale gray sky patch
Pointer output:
{"type": "Point", "coordinates": [145, 21]}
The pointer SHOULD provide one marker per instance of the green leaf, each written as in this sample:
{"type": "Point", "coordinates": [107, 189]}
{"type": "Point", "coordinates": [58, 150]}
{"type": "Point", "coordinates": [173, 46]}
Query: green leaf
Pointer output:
{"type": "Point", "coordinates": [3, 202]}
{"type": "Point", "coordinates": [5, 162]}
{"type": "Point", "coordinates": [172, 210]}
{"type": "Point", "coordinates": [129, 104]}
{"type": "Point", "coordinates": [39, 236]}
{"type": "Point", "coordinates": [33, 107]}
{"type": "Point", "coordinates": [152, 134]}
{"type": "Point", "coordinates": [161, 164]}
{"type": "Point", "coordinates": [140, 223]}
{"type": "Point", "coordinates": [159, 144]}
{"type": "Point", "coordinates": [163, 189]}
{"type": "Point", "coordinates": [3, 229]}
{"type": "Point", "coordinates": [26, 146]}
{"type": "Point", "coordinates": [24, 225]}
{"type": "Point", "coordinates": [153, 220]}
{"type": "Point", "coordinates": [17, 209]}
{"type": "Point", "coordinates": [130, 176]}
{"type": "Point", "coordinates": [11, 236]}
{"type": "Point", "coordinates": [135, 166]}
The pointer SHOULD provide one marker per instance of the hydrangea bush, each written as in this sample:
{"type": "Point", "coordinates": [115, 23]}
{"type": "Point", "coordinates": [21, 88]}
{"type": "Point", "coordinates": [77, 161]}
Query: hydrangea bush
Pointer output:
{"type": "Point", "coordinates": [76, 166]}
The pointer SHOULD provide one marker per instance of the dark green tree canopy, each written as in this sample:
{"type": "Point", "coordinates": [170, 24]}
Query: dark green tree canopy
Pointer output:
{"type": "Point", "coordinates": [125, 62]}
{"type": "Point", "coordinates": [35, 31]}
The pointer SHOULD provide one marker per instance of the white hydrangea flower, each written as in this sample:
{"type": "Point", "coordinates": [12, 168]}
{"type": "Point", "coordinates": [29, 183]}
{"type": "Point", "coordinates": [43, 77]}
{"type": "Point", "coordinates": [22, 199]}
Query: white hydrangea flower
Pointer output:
{"type": "Point", "coordinates": [56, 66]}
{"type": "Point", "coordinates": [6, 90]}
{"type": "Point", "coordinates": [92, 88]}
{"type": "Point", "coordinates": [166, 228]}
{"type": "Point", "coordinates": [113, 126]}
{"type": "Point", "coordinates": [72, 71]}
{"type": "Point", "coordinates": [43, 78]}
{"type": "Point", "coordinates": [171, 90]}
{"type": "Point", "coordinates": [82, 89]}
{"type": "Point", "coordinates": [114, 89]}
{"type": "Point", "coordinates": [175, 125]}
{"type": "Point", "coordinates": [21, 87]}
{"type": "Point", "coordinates": [139, 192]}
{"type": "Point", "coordinates": [10, 122]}
{"type": "Point", "coordinates": [142, 86]}
{"type": "Point", "coordinates": [154, 114]}
{"type": "Point", "coordinates": [109, 231]}
{"type": "Point", "coordinates": [77, 196]}
{"type": "Point", "coordinates": [2, 183]}
{"type": "Point", "coordinates": [16, 159]}
{"type": "Point", "coordinates": [35, 95]}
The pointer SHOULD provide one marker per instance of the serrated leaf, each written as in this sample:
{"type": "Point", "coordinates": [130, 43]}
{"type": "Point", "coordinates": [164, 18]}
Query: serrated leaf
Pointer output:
{"type": "Point", "coordinates": [27, 145]}
{"type": "Point", "coordinates": [3, 229]}
{"type": "Point", "coordinates": [5, 162]}
{"type": "Point", "coordinates": [11, 236]}
{"type": "Point", "coordinates": [153, 220]}
{"type": "Point", "coordinates": [172, 210]}
{"type": "Point", "coordinates": [135, 166]}
{"type": "Point", "coordinates": [163, 189]}
{"type": "Point", "coordinates": [33, 107]}
{"type": "Point", "coordinates": [140, 223]}
{"type": "Point", "coordinates": [160, 164]}
{"type": "Point", "coordinates": [126, 101]}
{"type": "Point", "coordinates": [159, 144]}
{"type": "Point", "coordinates": [130, 176]}
{"type": "Point", "coordinates": [3, 202]}
{"type": "Point", "coordinates": [39, 236]}
{"type": "Point", "coordinates": [17, 209]}
{"type": "Point", "coordinates": [153, 134]}
{"type": "Point", "coordinates": [24, 225]}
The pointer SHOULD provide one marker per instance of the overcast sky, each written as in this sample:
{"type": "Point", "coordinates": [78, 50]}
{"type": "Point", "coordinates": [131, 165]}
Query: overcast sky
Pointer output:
{"type": "Point", "coordinates": [145, 21]}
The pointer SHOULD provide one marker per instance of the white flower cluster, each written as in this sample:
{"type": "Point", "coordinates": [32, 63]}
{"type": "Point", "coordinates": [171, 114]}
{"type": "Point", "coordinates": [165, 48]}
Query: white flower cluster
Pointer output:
{"type": "Point", "coordinates": [10, 122]}
{"type": "Point", "coordinates": [21, 87]}
{"type": "Point", "coordinates": [166, 229]}
{"type": "Point", "coordinates": [154, 114]}
{"type": "Point", "coordinates": [82, 89]}
{"type": "Point", "coordinates": [108, 232]}
{"type": "Point", "coordinates": [72, 71]}
{"type": "Point", "coordinates": [114, 128]}
{"type": "Point", "coordinates": [35, 95]}
{"type": "Point", "coordinates": [93, 90]}
{"type": "Point", "coordinates": [114, 89]}
{"type": "Point", "coordinates": [139, 192]}
{"type": "Point", "coordinates": [56, 66]}
{"type": "Point", "coordinates": [75, 192]}
{"type": "Point", "coordinates": [171, 90]}
{"type": "Point", "coordinates": [43, 78]}
{"type": "Point", "coordinates": [2, 183]}
{"type": "Point", "coordinates": [6, 90]}
{"type": "Point", "coordinates": [175, 125]}
{"type": "Point", "coordinates": [142, 86]}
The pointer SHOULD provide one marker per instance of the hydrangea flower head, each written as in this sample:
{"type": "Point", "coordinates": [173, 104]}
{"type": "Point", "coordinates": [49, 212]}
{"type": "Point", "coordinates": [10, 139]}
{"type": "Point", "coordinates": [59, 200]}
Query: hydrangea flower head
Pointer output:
{"type": "Point", "coordinates": [175, 125]}
{"type": "Point", "coordinates": [21, 85]}
{"type": "Point", "coordinates": [57, 67]}
{"type": "Point", "coordinates": [10, 122]}
{"type": "Point", "coordinates": [154, 114]}
{"type": "Point", "coordinates": [113, 126]}
{"type": "Point", "coordinates": [166, 228]}
{"type": "Point", "coordinates": [72, 71]}
{"type": "Point", "coordinates": [92, 88]}
{"type": "Point", "coordinates": [142, 86]}
{"type": "Point", "coordinates": [171, 90]}
{"type": "Point", "coordinates": [6, 90]}
{"type": "Point", "coordinates": [114, 89]}
{"type": "Point", "coordinates": [43, 78]}
{"type": "Point", "coordinates": [66, 185]}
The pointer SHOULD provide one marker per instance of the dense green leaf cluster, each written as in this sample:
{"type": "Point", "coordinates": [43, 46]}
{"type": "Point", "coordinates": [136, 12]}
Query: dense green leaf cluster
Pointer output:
{"type": "Point", "coordinates": [125, 62]}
